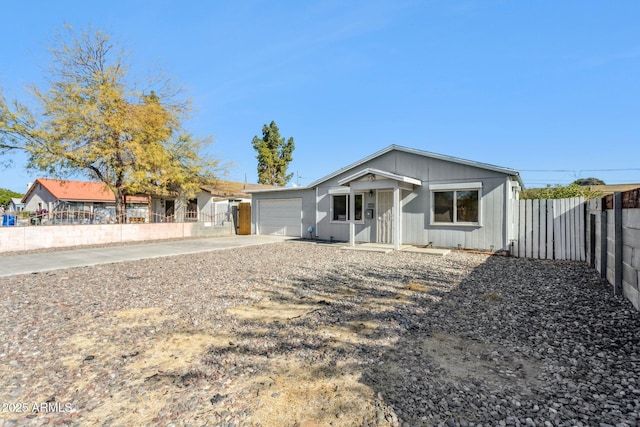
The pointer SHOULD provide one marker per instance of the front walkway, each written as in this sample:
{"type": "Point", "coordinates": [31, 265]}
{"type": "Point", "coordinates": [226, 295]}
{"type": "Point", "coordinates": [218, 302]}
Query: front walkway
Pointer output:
{"type": "Point", "coordinates": [380, 247]}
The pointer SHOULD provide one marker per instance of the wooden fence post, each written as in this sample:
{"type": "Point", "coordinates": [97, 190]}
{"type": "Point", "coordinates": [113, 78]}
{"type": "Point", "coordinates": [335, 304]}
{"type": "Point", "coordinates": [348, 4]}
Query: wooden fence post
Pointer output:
{"type": "Point", "coordinates": [529, 228]}
{"type": "Point", "coordinates": [549, 229]}
{"type": "Point", "coordinates": [558, 252]}
{"type": "Point", "coordinates": [543, 229]}
{"type": "Point", "coordinates": [592, 241]}
{"type": "Point", "coordinates": [603, 240]}
{"type": "Point", "coordinates": [515, 246]}
{"type": "Point", "coordinates": [617, 215]}
{"type": "Point", "coordinates": [535, 229]}
{"type": "Point", "coordinates": [521, 229]}
{"type": "Point", "coordinates": [582, 225]}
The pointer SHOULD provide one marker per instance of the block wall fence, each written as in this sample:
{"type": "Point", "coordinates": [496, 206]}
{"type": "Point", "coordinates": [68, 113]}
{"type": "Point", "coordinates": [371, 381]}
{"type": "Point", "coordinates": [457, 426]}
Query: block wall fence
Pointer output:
{"type": "Point", "coordinates": [60, 236]}
{"type": "Point", "coordinates": [613, 241]}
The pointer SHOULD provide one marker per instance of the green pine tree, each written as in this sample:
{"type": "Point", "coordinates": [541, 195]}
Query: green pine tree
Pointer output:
{"type": "Point", "coordinates": [274, 155]}
{"type": "Point", "coordinates": [6, 195]}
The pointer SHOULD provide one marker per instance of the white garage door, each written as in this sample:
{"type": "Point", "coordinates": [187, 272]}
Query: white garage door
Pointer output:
{"type": "Point", "coordinates": [282, 217]}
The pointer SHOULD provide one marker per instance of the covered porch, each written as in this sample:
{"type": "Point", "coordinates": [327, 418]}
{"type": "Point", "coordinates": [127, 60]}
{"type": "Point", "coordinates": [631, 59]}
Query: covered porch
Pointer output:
{"type": "Point", "coordinates": [387, 209]}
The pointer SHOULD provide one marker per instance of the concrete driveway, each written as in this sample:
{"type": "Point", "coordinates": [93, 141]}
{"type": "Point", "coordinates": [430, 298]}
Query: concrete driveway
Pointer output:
{"type": "Point", "coordinates": [35, 262]}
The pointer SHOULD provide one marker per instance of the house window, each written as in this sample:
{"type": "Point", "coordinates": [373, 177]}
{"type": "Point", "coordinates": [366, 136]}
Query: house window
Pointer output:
{"type": "Point", "coordinates": [456, 206]}
{"type": "Point", "coordinates": [340, 207]}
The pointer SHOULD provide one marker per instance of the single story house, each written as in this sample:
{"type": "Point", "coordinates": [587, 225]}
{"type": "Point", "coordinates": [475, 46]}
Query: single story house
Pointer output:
{"type": "Point", "coordinates": [16, 205]}
{"type": "Point", "coordinates": [398, 196]}
{"type": "Point", "coordinates": [215, 203]}
{"type": "Point", "coordinates": [54, 196]}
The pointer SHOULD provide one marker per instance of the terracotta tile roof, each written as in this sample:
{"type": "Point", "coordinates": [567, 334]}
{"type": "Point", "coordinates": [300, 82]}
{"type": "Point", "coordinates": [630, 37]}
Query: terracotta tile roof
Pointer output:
{"type": "Point", "coordinates": [85, 191]}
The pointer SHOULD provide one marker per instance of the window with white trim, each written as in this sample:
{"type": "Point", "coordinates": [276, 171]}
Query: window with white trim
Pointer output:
{"type": "Point", "coordinates": [340, 207]}
{"type": "Point", "coordinates": [456, 205]}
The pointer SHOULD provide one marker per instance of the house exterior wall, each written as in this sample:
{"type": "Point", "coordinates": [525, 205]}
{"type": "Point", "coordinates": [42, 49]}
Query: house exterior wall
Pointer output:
{"type": "Point", "coordinates": [416, 204]}
{"type": "Point", "coordinates": [40, 195]}
{"type": "Point", "coordinates": [16, 206]}
{"type": "Point", "coordinates": [206, 208]}
{"type": "Point", "coordinates": [417, 213]}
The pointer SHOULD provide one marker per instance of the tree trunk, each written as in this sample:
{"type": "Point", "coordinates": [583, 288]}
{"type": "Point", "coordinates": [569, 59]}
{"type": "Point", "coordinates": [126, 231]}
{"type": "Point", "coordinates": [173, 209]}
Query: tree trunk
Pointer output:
{"type": "Point", "coordinates": [121, 206]}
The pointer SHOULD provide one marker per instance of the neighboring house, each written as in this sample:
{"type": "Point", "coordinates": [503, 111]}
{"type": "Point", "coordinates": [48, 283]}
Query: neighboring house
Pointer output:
{"type": "Point", "coordinates": [16, 205]}
{"type": "Point", "coordinates": [398, 196]}
{"type": "Point", "coordinates": [612, 188]}
{"type": "Point", "coordinates": [218, 199]}
{"type": "Point", "coordinates": [214, 203]}
{"type": "Point", "coordinates": [55, 195]}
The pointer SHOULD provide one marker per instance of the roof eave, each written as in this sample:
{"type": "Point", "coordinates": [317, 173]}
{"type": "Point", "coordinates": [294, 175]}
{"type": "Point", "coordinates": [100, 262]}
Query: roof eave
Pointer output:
{"type": "Point", "coordinates": [283, 189]}
{"type": "Point", "coordinates": [371, 171]}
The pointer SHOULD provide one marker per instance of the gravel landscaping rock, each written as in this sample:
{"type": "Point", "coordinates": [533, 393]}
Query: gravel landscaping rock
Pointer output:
{"type": "Point", "coordinates": [294, 334]}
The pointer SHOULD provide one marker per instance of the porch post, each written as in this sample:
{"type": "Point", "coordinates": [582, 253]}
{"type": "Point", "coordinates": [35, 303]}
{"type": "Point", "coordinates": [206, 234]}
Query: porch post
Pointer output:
{"type": "Point", "coordinates": [352, 215]}
{"type": "Point", "coordinates": [397, 228]}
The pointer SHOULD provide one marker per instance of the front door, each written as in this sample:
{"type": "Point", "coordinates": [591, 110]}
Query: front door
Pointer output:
{"type": "Point", "coordinates": [385, 216]}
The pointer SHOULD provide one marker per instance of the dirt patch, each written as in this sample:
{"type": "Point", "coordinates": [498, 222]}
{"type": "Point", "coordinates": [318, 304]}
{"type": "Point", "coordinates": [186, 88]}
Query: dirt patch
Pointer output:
{"type": "Point", "coordinates": [273, 311]}
{"type": "Point", "coordinates": [465, 358]}
{"type": "Point", "coordinates": [417, 287]}
{"type": "Point", "coordinates": [300, 394]}
{"type": "Point", "coordinates": [155, 364]}
{"type": "Point", "coordinates": [350, 333]}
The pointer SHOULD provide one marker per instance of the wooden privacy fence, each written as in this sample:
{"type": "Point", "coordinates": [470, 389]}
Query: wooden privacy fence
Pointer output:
{"type": "Point", "coordinates": [549, 229]}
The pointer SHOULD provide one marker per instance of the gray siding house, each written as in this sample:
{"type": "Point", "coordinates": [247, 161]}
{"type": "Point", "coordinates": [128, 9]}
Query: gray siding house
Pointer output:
{"type": "Point", "coordinates": [398, 196]}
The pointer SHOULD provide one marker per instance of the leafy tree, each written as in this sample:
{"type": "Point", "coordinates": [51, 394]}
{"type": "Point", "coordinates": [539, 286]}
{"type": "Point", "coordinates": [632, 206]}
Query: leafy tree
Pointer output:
{"type": "Point", "coordinates": [560, 192]}
{"type": "Point", "coordinates": [93, 121]}
{"type": "Point", "coordinates": [274, 156]}
{"type": "Point", "coordinates": [588, 181]}
{"type": "Point", "coordinates": [6, 195]}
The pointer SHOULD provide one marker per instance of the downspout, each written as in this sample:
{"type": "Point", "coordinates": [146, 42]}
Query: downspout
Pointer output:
{"type": "Point", "coordinates": [508, 220]}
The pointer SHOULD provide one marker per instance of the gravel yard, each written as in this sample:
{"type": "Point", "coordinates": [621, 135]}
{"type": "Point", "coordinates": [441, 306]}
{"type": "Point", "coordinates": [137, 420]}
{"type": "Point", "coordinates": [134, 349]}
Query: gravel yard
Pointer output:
{"type": "Point", "coordinates": [295, 334]}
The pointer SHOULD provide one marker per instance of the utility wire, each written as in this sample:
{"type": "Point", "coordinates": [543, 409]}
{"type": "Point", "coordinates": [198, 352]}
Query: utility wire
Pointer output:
{"type": "Point", "coordinates": [578, 170]}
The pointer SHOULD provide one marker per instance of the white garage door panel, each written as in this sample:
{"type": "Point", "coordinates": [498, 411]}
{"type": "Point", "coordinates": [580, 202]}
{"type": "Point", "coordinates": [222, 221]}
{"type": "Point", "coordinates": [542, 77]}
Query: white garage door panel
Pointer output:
{"type": "Point", "coordinates": [282, 217]}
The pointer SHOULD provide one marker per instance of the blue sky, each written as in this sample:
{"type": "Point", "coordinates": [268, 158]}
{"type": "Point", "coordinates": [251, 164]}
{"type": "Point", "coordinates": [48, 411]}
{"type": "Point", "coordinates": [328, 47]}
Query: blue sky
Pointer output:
{"type": "Point", "coordinates": [549, 88]}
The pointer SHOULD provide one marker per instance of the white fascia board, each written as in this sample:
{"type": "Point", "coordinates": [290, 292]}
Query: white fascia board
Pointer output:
{"type": "Point", "coordinates": [380, 184]}
{"type": "Point", "coordinates": [457, 186]}
{"type": "Point", "coordinates": [271, 190]}
{"type": "Point", "coordinates": [339, 190]}
{"type": "Point", "coordinates": [378, 172]}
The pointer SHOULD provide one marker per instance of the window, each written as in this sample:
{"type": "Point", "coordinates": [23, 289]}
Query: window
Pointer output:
{"type": "Point", "coordinates": [456, 206]}
{"type": "Point", "coordinates": [340, 207]}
